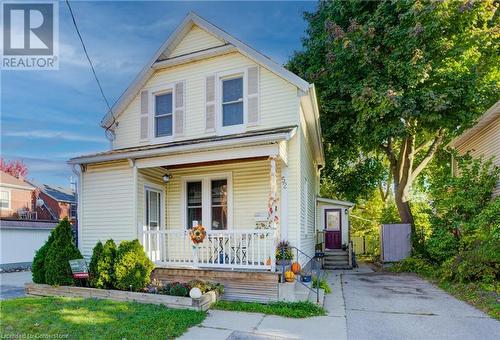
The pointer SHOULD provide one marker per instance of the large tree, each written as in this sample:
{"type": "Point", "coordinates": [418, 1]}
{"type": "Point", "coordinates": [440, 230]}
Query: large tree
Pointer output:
{"type": "Point", "coordinates": [398, 78]}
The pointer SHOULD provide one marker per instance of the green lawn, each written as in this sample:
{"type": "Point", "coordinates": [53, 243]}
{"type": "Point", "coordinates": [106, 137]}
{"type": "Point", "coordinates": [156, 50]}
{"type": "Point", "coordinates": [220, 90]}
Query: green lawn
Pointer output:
{"type": "Point", "coordinates": [72, 318]}
{"type": "Point", "coordinates": [287, 309]}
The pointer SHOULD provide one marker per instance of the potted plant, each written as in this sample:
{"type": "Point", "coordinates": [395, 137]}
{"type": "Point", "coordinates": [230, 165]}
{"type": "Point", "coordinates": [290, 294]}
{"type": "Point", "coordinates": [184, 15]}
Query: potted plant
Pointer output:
{"type": "Point", "coordinates": [305, 277]}
{"type": "Point", "coordinates": [284, 254]}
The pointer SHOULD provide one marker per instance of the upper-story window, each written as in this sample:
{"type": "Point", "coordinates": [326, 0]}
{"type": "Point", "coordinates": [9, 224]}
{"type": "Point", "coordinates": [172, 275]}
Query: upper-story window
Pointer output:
{"type": "Point", "coordinates": [163, 115]}
{"type": "Point", "coordinates": [232, 101]}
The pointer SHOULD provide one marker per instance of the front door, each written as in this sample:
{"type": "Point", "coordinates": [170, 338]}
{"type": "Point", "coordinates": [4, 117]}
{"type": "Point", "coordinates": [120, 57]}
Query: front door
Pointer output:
{"type": "Point", "coordinates": [333, 228]}
{"type": "Point", "coordinates": [153, 214]}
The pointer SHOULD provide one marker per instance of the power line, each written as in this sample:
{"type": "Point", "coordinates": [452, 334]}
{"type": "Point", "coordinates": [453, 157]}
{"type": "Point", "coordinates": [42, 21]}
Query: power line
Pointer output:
{"type": "Point", "coordinates": [91, 64]}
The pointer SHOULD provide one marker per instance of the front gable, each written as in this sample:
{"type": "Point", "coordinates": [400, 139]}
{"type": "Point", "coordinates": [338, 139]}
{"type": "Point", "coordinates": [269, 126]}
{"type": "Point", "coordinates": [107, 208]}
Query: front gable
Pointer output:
{"type": "Point", "coordinates": [195, 40]}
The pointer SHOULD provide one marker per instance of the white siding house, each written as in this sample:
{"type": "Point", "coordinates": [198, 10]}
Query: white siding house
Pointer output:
{"type": "Point", "coordinates": [211, 132]}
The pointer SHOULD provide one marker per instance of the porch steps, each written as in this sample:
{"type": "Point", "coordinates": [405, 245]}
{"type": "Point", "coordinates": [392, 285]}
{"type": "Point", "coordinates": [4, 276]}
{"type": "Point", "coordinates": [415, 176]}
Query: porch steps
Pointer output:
{"type": "Point", "coordinates": [336, 259]}
{"type": "Point", "coordinates": [255, 286]}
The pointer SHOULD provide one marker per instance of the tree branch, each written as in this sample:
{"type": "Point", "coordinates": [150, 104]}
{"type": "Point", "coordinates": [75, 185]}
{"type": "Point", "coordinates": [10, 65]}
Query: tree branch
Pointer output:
{"type": "Point", "coordinates": [430, 153]}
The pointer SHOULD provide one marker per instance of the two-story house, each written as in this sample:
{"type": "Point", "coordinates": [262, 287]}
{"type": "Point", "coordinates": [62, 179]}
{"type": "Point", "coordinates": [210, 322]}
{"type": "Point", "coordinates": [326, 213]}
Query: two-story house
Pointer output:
{"type": "Point", "coordinates": [211, 132]}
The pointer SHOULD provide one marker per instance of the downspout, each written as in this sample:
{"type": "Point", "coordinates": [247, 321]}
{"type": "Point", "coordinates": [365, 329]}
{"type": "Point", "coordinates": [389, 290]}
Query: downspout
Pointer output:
{"type": "Point", "coordinates": [79, 175]}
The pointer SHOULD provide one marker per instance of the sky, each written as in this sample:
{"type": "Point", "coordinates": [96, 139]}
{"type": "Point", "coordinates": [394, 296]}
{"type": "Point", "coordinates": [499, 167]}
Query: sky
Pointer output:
{"type": "Point", "coordinates": [48, 117]}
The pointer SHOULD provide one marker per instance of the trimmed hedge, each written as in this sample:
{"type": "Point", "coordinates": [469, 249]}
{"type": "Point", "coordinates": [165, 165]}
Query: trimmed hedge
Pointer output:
{"type": "Point", "coordinates": [132, 267]}
{"type": "Point", "coordinates": [101, 266]}
{"type": "Point", "coordinates": [60, 251]}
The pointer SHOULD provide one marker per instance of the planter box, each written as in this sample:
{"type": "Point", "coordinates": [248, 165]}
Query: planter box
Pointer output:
{"type": "Point", "coordinates": [200, 304]}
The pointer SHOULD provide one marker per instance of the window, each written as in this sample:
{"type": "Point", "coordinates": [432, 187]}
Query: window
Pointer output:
{"type": "Point", "coordinates": [163, 115]}
{"type": "Point", "coordinates": [232, 101]}
{"type": "Point", "coordinates": [219, 204]}
{"type": "Point", "coordinates": [194, 203]}
{"type": "Point", "coordinates": [207, 201]}
{"type": "Point", "coordinates": [72, 211]}
{"type": "Point", "coordinates": [153, 208]}
{"type": "Point", "coordinates": [4, 199]}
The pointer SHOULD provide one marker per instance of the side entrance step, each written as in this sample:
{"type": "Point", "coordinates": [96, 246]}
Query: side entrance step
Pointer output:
{"type": "Point", "coordinates": [336, 259]}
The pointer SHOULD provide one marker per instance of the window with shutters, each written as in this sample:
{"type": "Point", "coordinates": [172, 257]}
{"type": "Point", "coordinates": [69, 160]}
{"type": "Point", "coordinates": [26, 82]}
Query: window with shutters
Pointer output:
{"type": "Point", "coordinates": [232, 101]}
{"type": "Point", "coordinates": [163, 121]}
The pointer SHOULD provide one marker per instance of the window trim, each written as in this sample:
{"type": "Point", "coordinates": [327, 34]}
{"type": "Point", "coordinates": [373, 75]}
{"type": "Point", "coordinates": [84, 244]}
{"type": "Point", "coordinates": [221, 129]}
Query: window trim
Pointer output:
{"type": "Point", "coordinates": [9, 199]}
{"type": "Point", "coordinates": [155, 91]}
{"type": "Point", "coordinates": [160, 189]}
{"type": "Point", "coordinates": [226, 75]}
{"type": "Point", "coordinates": [206, 198]}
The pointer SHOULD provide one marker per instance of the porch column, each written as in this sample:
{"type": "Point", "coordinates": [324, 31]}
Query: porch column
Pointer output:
{"type": "Point", "coordinates": [284, 202]}
{"type": "Point", "coordinates": [273, 201]}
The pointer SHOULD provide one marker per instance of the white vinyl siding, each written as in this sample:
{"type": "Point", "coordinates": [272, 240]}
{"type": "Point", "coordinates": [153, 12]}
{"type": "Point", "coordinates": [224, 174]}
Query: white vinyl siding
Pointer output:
{"type": "Point", "coordinates": [107, 205]}
{"type": "Point", "coordinates": [196, 40]}
{"type": "Point", "coordinates": [278, 100]}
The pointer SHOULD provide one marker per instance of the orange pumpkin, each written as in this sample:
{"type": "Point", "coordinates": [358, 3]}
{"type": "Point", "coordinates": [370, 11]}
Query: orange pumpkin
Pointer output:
{"type": "Point", "coordinates": [268, 261]}
{"type": "Point", "coordinates": [295, 268]}
{"type": "Point", "coordinates": [289, 276]}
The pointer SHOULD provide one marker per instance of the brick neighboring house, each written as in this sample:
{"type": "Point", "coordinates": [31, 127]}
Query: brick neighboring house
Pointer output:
{"type": "Point", "coordinates": [58, 202]}
{"type": "Point", "coordinates": [16, 197]}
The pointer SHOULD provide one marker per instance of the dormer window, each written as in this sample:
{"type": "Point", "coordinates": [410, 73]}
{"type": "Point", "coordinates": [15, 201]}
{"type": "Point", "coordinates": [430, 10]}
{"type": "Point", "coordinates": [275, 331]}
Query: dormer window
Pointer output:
{"type": "Point", "coordinates": [232, 101]}
{"type": "Point", "coordinates": [163, 115]}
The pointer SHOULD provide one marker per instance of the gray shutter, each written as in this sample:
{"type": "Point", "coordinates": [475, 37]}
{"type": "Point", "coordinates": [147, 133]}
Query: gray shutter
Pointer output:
{"type": "Point", "coordinates": [253, 95]}
{"type": "Point", "coordinates": [144, 115]}
{"type": "Point", "coordinates": [210, 103]}
{"type": "Point", "coordinates": [179, 109]}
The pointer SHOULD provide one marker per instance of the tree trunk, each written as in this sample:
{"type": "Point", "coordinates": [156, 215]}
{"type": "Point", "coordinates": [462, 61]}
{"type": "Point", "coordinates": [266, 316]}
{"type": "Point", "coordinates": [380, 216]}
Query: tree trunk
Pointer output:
{"type": "Point", "coordinates": [404, 210]}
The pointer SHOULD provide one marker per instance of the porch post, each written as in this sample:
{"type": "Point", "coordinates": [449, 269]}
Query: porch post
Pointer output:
{"type": "Point", "coordinates": [284, 202]}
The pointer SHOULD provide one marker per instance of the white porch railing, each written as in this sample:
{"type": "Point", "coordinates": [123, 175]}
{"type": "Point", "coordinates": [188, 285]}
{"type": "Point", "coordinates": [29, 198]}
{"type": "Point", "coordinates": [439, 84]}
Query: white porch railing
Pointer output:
{"type": "Point", "coordinates": [233, 249]}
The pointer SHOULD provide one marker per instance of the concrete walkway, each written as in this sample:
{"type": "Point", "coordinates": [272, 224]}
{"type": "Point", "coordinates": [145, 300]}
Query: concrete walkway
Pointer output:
{"type": "Point", "coordinates": [239, 325]}
{"type": "Point", "coordinates": [12, 284]}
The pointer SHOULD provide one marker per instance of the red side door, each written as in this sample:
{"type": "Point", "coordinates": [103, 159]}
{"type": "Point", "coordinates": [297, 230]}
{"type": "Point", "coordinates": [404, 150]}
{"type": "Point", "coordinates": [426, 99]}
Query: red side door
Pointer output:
{"type": "Point", "coordinates": [333, 228]}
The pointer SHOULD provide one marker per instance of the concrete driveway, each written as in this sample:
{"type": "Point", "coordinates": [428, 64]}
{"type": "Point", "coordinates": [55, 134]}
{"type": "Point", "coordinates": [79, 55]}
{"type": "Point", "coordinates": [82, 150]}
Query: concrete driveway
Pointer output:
{"type": "Point", "coordinates": [402, 306]}
{"type": "Point", "coordinates": [12, 284]}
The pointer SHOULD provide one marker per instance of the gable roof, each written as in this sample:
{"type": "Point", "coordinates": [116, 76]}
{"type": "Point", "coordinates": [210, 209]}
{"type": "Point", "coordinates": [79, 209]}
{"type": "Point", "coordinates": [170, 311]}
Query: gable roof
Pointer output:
{"type": "Point", "coordinates": [7, 180]}
{"type": "Point", "coordinates": [60, 194]}
{"type": "Point", "coordinates": [488, 117]}
{"type": "Point", "coordinates": [173, 41]}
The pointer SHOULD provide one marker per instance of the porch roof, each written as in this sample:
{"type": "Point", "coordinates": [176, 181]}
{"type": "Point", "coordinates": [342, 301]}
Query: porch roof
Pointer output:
{"type": "Point", "coordinates": [198, 144]}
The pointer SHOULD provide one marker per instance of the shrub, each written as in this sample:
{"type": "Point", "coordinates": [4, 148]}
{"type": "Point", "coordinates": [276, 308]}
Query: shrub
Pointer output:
{"type": "Point", "coordinates": [179, 289]}
{"type": "Point", "coordinates": [415, 265]}
{"type": "Point", "coordinates": [132, 267]}
{"type": "Point", "coordinates": [322, 284]}
{"type": "Point", "coordinates": [206, 286]}
{"type": "Point", "coordinates": [62, 249]}
{"type": "Point", "coordinates": [102, 265]}
{"type": "Point", "coordinates": [441, 245]}
{"type": "Point", "coordinates": [38, 266]}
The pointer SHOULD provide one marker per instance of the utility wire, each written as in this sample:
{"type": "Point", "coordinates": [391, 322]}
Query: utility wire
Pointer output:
{"type": "Point", "coordinates": [91, 65]}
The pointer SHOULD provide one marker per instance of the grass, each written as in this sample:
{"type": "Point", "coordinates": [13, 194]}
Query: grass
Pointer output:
{"type": "Point", "coordinates": [286, 309]}
{"type": "Point", "coordinates": [485, 298]}
{"type": "Point", "coordinates": [77, 318]}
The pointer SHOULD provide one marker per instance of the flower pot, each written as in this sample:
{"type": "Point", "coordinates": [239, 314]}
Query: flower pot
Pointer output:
{"type": "Point", "coordinates": [306, 278]}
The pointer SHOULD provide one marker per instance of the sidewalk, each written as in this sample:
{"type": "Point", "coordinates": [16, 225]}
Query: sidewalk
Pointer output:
{"type": "Point", "coordinates": [240, 325]}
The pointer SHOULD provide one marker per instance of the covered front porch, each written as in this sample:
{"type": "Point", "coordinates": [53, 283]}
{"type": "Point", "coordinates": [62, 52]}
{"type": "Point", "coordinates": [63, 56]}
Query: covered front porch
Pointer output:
{"type": "Point", "coordinates": [235, 194]}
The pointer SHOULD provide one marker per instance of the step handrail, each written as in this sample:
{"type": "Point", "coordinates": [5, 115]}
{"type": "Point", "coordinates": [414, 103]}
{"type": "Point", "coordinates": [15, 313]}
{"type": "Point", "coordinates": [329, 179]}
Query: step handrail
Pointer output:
{"type": "Point", "coordinates": [315, 262]}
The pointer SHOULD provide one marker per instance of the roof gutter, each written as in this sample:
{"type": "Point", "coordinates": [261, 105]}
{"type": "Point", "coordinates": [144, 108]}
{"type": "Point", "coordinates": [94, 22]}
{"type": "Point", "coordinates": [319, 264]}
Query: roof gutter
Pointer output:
{"type": "Point", "coordinates": [245, 141]}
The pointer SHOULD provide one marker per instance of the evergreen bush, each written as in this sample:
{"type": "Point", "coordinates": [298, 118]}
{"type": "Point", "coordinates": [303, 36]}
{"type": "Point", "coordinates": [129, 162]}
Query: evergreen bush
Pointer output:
{"type": "Point", "coordinates": [132, 267]}
{"type": "Point", "coordinates": [61, 250]}
{"type": "Point", "coordinates": [102, 265]}
{"type": "Point", "coordinates": [38, 266]}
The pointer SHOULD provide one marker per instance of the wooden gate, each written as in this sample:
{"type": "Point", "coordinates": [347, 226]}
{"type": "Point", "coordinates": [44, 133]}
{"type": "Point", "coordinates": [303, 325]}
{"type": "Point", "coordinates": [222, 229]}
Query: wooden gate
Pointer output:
{"type": "Point", "coordinates": [394, 242]}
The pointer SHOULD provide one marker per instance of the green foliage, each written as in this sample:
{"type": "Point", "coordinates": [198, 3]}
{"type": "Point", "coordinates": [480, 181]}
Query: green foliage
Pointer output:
{"type": "Point", "coordinates": [61, 250]}
{"type": "Point", "coordinates": [102, 265]}
{"type": "Point", "coordinates": [441, 245]}
{"type": "Point", "coordinates": [283, 251]}
{"type": "Point", "coordinates": [415, 265]}
{"type": "Point", "coordinates": [179, 289]}
{"type": "Point", "coordinates": [206, 286]}
{"type": "Point", "coordinates": [132, 267]}
{"type": "Point", "coordinates": [395, 71]}
{"type": "Point", "coordinates": [38, 266]}
{"type": "Point", "coordinates": [323, 284]}
{"type": "Point", "coordinates": [390, 214]}
{"type": "Point", "coordinates": [45, 317]}
{"type": "Point", "coordinates": [286, 309]}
